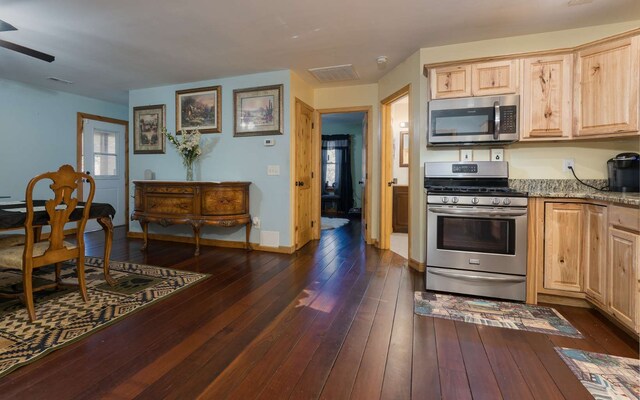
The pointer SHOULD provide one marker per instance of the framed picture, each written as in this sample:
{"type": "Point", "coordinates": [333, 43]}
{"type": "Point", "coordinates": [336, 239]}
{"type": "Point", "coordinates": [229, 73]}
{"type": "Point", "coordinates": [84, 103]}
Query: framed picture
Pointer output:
{"type": "Point", "coordinates": [148, 122]}
{"type": "Point", "coordinates": [404, 149]}
{"type": "Point", "coordinates": [199, 108]}
{"type": "Point", "coordinates": [258, 111]}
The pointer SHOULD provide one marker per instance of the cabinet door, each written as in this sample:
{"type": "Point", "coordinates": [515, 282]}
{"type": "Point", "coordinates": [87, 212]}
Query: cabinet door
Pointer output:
{"type": "Point", "coordinates": [448, 82]}
{"type": "Point", "coordinates": [563, 246]}
{"type": "Point", "coordinates": [595, 252]}
{"type": "Point", "coordinates": [490, 78]}
{"type": "Point", "coordinates": [546, 97]}
{"type": "Point", "coordinates": [606, 98]}
{"type": "Point", "coordinates": [623, 285]}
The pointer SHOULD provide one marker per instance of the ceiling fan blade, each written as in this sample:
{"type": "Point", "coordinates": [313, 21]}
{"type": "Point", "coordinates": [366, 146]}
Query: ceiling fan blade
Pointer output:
{"type": "Point", "coordinates": [25, 50]}
{"type": "Point", "coordinates": [5, 26]}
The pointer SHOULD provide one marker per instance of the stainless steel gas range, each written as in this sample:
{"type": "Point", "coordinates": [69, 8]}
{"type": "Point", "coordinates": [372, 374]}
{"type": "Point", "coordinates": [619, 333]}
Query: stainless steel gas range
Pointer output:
{"type": "Point", "coordinates": [476, 230]}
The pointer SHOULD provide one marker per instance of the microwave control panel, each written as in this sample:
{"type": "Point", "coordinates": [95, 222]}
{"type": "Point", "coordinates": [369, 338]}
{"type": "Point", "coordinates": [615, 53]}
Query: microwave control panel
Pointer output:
{"type": "Point", "coordinates": [508, 116]}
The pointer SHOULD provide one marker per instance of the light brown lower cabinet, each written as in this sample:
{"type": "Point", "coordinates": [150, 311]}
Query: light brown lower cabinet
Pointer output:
{"type": "Point", "coordinates": [595, 253]}
{"type": "Point", "coordinates": [585, 251]}
{"type": "Point", "coordinates": [623, 276]}
{"type": "Point", "coordinates": [563, 246]}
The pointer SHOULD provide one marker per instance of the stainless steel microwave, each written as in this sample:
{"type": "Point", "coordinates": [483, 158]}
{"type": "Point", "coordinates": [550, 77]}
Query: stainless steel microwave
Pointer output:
{"type": "Point", "coordinates": [474, 120]}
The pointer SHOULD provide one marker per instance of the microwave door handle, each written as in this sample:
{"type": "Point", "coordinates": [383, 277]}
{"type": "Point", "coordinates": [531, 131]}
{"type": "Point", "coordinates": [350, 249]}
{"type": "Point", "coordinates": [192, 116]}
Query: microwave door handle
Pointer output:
{"type": "Point", "coordinates": [496, 120]}
{"type": "Point", "coordinates": [503, 213]}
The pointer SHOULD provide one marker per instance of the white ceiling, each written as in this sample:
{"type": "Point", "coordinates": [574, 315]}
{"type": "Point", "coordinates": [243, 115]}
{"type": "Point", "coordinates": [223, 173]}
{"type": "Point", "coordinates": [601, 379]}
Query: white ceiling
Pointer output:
{"type": "Point", "coordinates": [110, 46]}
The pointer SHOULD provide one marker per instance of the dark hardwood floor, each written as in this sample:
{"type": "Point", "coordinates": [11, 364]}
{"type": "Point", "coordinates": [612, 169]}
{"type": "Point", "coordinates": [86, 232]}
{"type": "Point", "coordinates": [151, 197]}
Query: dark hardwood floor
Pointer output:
{"type": "Point", "coordinates": [333, 321]}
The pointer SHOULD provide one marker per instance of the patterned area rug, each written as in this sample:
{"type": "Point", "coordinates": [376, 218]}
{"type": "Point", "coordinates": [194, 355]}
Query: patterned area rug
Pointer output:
{"type": "Point", "coordinates": [64, 318]}
{"type": "Point", "coordinates": [502, 314]}
{"type": "Point", "coordinates": [604, 376]}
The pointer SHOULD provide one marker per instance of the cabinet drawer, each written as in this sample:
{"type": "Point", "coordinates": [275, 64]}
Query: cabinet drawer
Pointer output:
{"type": "Point", "coordinates": [231, 201]}
{"type": "Point", "coordinates": [170, 189]}
{"type": "Point", "coordinates": [169, 205]}
{"type": "Point", "coordinates": [625, 217]}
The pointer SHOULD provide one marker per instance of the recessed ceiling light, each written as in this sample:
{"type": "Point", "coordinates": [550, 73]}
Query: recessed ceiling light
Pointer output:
{"type": "Point", "coordinates": [578, 2]}
{"type": "Point", "coordinates": [60, 80]}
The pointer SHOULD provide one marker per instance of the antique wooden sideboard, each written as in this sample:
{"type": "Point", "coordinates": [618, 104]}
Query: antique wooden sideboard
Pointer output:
{"type": "Point", "coordinates": [193, 203]}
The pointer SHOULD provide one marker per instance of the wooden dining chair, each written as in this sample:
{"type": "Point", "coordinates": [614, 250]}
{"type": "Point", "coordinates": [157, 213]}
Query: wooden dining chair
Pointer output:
{"type": "Point", "coordinates": [54, 249]}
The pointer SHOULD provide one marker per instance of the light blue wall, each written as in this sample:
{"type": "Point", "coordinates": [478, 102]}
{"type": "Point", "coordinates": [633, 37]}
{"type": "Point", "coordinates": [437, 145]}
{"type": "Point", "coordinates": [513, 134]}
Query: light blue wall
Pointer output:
{"type": "Point", "coordinates": [38, 131]}
{"type": "Point", "coordinates": [330, 127]}
{"type": "Point", "coordinates": [231, 158]}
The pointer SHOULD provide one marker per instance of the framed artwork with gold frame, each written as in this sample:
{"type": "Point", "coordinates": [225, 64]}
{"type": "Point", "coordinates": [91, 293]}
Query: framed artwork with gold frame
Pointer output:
{"type": "Point", "coordinates": [199, 108]}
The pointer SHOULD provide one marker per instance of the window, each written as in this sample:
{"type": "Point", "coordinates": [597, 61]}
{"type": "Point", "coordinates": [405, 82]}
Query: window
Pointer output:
{"type": "Point", "coordinates": [330, 168]}
{"type": "Point", "coordinates": [104, 153]}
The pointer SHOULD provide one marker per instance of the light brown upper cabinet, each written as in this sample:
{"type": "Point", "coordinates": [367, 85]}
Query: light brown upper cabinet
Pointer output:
{"type": "Point", "coordinates": [606, 88]}
{"type": "Point", "coordinates": [546, 97]}
{"type": "Point", "coordinates": [496, 77]}
{"type": "Point", "coordinates": [477, 79]}
{"type": "Point", "coordinates": [448, 82]}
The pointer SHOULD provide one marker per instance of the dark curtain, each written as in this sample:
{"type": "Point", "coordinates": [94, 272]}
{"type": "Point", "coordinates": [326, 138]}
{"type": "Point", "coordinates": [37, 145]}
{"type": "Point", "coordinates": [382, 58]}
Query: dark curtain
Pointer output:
{"type": "Point", "coordinates": [344, 182]}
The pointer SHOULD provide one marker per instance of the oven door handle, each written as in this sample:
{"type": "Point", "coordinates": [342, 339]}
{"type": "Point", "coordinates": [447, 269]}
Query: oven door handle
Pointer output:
{"type": "Point", "coordinates": [478, 213]}
{"type": "Point", "coordinates": [465, 276]}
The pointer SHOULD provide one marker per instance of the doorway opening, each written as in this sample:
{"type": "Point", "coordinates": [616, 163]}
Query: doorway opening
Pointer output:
{"type": "Point", "coordinates": [103, 152]}
{"type": "Point", "coordinates": [395, 192]}
{"type": "Point", "coordinates": [343, 166]}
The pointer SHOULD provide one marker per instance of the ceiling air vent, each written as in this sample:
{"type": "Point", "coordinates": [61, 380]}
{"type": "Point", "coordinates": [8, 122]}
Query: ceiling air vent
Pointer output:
{"type": "Point", "coordinates": [337, 73]}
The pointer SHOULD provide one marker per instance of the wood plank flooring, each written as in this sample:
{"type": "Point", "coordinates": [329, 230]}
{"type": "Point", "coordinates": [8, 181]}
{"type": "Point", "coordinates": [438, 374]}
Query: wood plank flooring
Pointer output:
{"type": "Point", "coordinates": [333, 321]}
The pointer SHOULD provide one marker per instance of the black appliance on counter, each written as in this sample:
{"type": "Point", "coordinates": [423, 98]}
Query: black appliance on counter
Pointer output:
{"type": "Point", "coordinates": [624, 172]}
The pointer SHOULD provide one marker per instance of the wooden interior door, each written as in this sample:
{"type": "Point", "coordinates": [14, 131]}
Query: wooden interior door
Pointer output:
{"type": "Point", "coordinates": [363, 182]}
{"type": "Point", "coordinates": [303, 151]}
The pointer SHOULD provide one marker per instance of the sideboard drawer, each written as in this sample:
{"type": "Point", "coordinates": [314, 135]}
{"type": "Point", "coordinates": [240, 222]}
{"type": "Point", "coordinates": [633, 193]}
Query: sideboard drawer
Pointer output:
{"type": "Point", "coordinates": [169, 189]}
{"type": "Point", "coordinates": [169, 205]}
{"type": "Point", "coordinates": [225, 201]}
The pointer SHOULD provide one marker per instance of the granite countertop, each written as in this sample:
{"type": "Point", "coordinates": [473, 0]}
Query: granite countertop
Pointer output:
{"type": "Point", "coordinates": [570, 188]}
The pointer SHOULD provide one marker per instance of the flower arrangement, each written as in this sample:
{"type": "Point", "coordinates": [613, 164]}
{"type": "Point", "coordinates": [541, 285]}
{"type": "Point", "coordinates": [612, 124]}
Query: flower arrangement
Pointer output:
{"type": "Point", "coordinates": [188, 146]}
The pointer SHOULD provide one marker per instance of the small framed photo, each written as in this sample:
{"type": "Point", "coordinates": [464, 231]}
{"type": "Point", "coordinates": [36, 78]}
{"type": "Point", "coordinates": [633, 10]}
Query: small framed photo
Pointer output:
{"type": "Point", "coordinates": [404, 149]}
{"type": "Point", "coordinates": [199, 109]}
{"type": "Point", "coordinates": [258, 111]}
{"type": "Point", "coordinates": [148, 122]}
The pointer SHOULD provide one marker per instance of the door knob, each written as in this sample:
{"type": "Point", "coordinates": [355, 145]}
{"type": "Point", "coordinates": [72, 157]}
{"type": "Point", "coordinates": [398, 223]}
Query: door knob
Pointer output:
{"type": "Point", "coordinates": [301, 183]}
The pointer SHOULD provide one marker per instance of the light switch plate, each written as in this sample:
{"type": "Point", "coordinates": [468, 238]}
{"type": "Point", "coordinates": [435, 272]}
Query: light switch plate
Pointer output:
{"type": "Point", "coordinates": [497, 154]}
{"type": "Point", "coordinates": [269, 142]}
{"type": "Point", "coordinates": [273, 170]}
{"type": "Point", "coordinates": [466, 155]}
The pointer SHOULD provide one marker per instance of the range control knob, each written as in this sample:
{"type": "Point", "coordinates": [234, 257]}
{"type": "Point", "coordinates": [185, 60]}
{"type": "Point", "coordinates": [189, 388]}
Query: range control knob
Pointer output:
{"type": "Point", "coordinates": [506, 202]}
{"type": "Point", "coordinates": [475, 200]}
{"type": "Point", "coordinates": [454, 200]}
{"type": "Point", "coordinates": [445, 199]}
{"type": "Point", "coordinates": [495, 201]}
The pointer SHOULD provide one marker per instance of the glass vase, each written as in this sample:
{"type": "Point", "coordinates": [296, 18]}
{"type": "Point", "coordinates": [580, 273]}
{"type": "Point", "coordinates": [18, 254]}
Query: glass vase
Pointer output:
{"type": "Point", "coordinates": [189, 167]}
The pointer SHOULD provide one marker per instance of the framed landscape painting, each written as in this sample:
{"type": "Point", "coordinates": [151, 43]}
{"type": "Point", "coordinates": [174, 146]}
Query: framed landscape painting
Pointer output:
{"type": "Point", "coordinates": [198, 109]}
{"type": "Point", "coordinates": [148, 122]}
{"type": "Point", "coordinates": [258, 111]}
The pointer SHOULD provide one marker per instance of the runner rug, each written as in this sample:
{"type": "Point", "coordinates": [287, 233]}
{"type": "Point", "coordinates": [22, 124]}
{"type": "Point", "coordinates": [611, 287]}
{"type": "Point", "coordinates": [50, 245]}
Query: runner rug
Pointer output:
{"type": "Point", "coordinates": [63, 317]}
{"type": "Point", "coordinates": [604, 376]}
{"type": "Point", "coordinates": [501, 314]}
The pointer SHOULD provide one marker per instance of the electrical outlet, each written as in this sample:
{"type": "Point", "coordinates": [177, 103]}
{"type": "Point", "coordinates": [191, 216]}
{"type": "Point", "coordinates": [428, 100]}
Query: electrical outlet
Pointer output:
{"type": "Point", "coordinates": [256, 222]}
{"type": "Point", "coordinates": [497, 154]}
{"type": "Point", "coordinates": [566, 163]}
{"type": "Point", "coordinates": [466, 155]}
